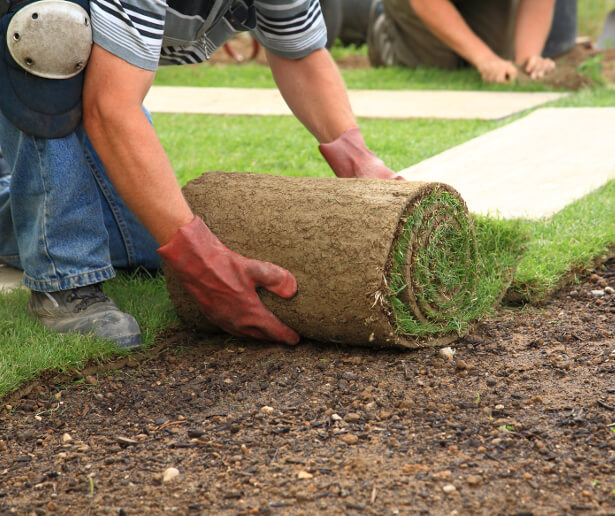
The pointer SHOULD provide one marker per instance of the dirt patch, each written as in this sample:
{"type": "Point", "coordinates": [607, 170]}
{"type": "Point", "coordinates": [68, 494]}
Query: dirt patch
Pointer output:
{"type": "Point", "coordinates": [582, 67]}
{"type": "Point", "coordinates": [570, 73]}
{"type": "Point", "coordinates": [348, 243]}
{"type": "Point", "coordinates": [518, 421]}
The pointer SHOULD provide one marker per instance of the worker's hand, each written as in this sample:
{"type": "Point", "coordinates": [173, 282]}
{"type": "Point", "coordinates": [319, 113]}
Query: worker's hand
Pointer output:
{"type": "Point", "coordinates": [495, 69]}
{"type": "Point", "coordinates": [537, 67]}
{"type": "Point", "coordinates": [224, 283]}
{"type": "Point", "coordinates": [348, 156]}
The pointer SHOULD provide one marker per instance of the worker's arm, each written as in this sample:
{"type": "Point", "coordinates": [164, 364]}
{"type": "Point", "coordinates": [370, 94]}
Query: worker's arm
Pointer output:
{"type": "Point", "coordinates": [222, 282]}
{"type": "Point", "coordinates": [532, 27]}
{"type": "Point", "coordinates": [315, 92]}
{"type": "Point", "coordinates": [447, 24]}
{"type": "Point", "coordinates": [128, 146]}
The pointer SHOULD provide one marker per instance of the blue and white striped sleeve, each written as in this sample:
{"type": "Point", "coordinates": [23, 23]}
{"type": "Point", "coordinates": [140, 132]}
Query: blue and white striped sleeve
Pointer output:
{"type": "Point", "coordinates": [290, 28]}
{"type": "Point", "coordinates": [131, 30]}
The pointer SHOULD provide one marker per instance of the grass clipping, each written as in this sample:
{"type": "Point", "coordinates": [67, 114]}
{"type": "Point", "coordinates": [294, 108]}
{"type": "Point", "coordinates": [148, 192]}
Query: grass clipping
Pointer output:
{"type": "Point", "coordinates": [378, 263]}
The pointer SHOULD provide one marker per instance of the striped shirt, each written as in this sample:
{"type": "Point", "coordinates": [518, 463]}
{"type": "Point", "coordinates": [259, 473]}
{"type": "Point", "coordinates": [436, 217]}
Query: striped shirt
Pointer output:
{"type": "Point", "coordinates": [149, 33]}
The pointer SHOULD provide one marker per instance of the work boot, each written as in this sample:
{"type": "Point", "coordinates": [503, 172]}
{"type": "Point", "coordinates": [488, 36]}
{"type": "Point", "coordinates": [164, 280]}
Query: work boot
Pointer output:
{"type": "Point", "coordinates": [85, 310]}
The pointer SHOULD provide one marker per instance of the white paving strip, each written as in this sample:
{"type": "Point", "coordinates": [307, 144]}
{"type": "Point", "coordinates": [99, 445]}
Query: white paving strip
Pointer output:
{"type": "Point", "coordinates": [483, 105]}
{"type": "Point", "coordinates": [532, 167]}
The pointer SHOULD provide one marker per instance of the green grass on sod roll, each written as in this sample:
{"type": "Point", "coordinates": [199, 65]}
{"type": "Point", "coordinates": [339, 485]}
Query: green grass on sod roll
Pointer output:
{"type": "Point", "coordinates": [448, 272]}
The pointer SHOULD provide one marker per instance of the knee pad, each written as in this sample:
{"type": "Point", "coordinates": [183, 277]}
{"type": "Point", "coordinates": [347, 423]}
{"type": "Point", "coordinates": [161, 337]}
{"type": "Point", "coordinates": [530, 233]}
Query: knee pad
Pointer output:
{"type": "Point", "coordinates": [44, 48]}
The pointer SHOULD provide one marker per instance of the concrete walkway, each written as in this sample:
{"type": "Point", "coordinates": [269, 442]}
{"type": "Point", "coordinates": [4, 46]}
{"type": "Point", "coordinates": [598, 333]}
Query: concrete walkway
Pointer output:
{"type": "Point", "coordinates": [532, 167]}
{"type": "Point", "coordinates": [483, 105]}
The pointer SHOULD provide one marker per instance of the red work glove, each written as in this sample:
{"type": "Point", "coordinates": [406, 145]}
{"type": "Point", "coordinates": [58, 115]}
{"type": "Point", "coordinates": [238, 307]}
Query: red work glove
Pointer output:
{"type": "Point", "coordinates": [224, 283]}
{"type": "Point", "coordinates": [348, 156]}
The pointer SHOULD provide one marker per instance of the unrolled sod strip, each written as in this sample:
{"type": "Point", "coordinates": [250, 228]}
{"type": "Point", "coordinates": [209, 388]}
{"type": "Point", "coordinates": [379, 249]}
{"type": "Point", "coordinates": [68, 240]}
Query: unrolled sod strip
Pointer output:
{"type": "Point", "coordinates": [378, 263]}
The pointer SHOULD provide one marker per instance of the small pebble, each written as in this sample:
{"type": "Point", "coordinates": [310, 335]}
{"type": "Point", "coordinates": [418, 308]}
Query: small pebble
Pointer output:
{"type": "Point", "coordinates": [350, 439]}
{"type": "Point", "coordinates": [474, 480]}
{"type": "Point", "coordinates": [169, 474]}
{"type": "Point", "coordinates": [304, 475]}
{"type": "Point", "coordinates": [449, 488]}
{"type": "Point", "coordinates": [461, 365]}
{"type": "Point", "coordinates": [66, 438]}
{"type": "Point", "coordinates": [267, 409]}
{"type": "Point", "coordinates": [352, 417]}
{"type": "Point", "coordinates": [609, 290]}
{"type": "Point", "coordinates": [446, 353]}
{"type": "Point", "coordinates": [598, 293]}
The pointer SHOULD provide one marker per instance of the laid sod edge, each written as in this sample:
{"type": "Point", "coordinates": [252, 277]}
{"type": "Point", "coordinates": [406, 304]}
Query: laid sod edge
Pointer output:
{"type": "Point", "coordinates": [447, 272]}
{"type": "Point", "coordinates": [565, 247]}
{"type": "Point", "coordinates": [28, 349]}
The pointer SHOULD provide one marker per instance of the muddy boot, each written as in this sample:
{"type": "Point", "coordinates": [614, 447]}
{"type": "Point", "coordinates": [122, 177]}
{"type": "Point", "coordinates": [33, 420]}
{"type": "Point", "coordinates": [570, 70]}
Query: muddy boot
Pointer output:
{"type": "Point", "coordinates": [85, 310]}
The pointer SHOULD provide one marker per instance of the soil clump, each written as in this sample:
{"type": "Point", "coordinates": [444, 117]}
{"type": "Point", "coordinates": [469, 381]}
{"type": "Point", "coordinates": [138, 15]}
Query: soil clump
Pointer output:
{"type": "Point", "coordinates": [516, 419]}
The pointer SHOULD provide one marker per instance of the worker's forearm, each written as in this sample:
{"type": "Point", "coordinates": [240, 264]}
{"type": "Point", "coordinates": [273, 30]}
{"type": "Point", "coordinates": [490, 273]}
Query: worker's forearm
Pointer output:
{"type": "Point", "coordinates": [446, 23]}
{"type": "Point", "coordinates": [532, 28]}
{"type": "Point", "coordinates": [315, 92]}
{"type": "Point", "coordinates": [131, 151]}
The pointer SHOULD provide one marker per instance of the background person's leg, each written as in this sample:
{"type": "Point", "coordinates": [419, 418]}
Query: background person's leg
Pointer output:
{"type": "Point", "coordinates": [563, 34]}
{"type": "Point", "coordinates": [398, 37]}
{"type": "Point", "coordinates": [493, 22]}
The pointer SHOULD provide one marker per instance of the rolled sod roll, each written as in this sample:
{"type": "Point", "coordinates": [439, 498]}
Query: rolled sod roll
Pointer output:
{"type": "Point", "coordinates": [378, 263]}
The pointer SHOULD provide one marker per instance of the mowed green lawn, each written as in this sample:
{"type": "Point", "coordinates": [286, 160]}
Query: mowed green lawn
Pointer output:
{"type": "Point", "coordinates": [569, 242]}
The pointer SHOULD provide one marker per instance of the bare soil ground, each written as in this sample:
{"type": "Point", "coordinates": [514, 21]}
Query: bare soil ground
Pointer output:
{"type": "Point", "coordinates": [518, 419]}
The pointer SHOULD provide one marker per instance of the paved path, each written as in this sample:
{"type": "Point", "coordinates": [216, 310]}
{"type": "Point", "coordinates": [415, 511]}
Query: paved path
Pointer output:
{"type": "Point", "coordinates": [484, 105]}
{"type": "Point", "coordinates": [532, 167]}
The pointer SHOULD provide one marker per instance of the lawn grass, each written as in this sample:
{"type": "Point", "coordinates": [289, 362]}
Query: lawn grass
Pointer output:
{"type": "Point", "coordinates": [29, 349]}
{"type": "Point", "coordinates": [591, 14]}
{"type": "Point", "coordinates": [253, 75]}
{"type": "Point", "coordinates": [564, 245]}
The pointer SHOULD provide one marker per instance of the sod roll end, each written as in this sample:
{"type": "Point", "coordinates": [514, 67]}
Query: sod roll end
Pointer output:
{"type": "Point", "coordinates": [378, 263]}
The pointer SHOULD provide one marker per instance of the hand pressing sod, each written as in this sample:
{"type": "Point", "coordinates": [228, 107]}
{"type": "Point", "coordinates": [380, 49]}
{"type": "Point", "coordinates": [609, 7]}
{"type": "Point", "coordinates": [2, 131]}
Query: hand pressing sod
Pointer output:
{"type": "Point", "coordinates": [495, 69]}
{"type": "Point", "coordinates": [537, 67]}
{"type": "Point", "coordinates": [224, 283]}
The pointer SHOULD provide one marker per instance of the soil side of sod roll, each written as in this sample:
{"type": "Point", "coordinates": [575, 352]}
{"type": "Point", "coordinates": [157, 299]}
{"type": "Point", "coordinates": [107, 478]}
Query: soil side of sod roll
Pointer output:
{"type": "Point", "coordinates": [346, 241]}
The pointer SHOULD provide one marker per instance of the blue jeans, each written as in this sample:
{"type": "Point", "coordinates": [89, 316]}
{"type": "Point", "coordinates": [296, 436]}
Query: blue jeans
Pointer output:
{"type": "Point", "coordinates": [61, 220]}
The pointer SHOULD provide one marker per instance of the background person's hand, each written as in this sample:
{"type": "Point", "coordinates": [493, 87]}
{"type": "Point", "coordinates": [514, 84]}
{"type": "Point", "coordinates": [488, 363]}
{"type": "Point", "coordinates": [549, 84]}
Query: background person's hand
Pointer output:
{"type": "Point", "coordinates": [537, 67]}
{"type": "Point", "coordinates": [495, 69]}
{"type": "Point", "coordinates": [224, 283]}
